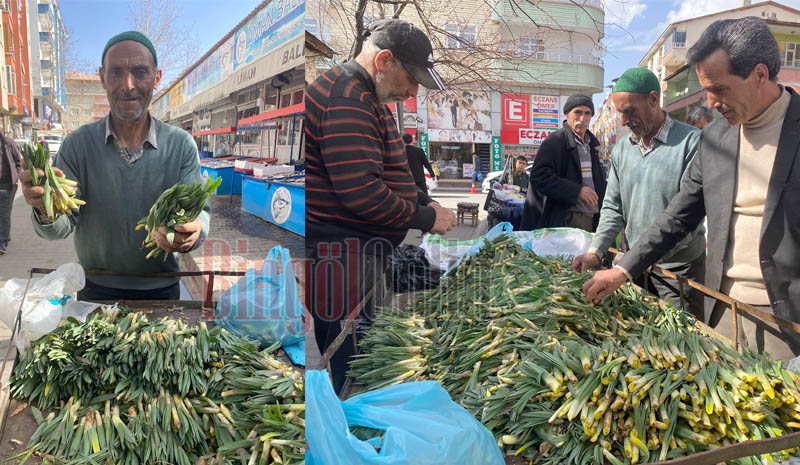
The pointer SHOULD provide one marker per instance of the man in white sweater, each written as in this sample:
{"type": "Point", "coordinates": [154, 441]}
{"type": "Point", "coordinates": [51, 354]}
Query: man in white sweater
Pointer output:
{"type": "Point", "coordinates": [746, 178]}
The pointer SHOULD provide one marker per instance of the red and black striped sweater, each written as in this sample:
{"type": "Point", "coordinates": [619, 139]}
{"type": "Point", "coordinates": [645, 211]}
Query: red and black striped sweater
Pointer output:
{"type": "Point", "coordinates": [358, 183]}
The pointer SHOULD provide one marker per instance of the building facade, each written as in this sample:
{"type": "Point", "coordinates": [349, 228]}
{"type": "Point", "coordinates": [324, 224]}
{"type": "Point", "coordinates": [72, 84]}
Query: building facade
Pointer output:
{"type": "Point", "coordinates": [86, 100]}
{"type": "Point", "coordinates": [681, 90]}
{"type": "Point", "coordinates": [48, 37]}
{"type": "Point", "coordinates": [244, 97]}
{"type": "Point", "coordinates": [521, 63]}
{"type": "Point", "coordinates": [17, 112]}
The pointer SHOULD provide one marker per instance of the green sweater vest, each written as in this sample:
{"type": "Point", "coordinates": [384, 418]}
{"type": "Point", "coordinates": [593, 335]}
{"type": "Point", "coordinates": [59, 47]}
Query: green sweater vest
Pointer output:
{"type": "Point", "coordinates": [117, 196]}
{"type": "Point", "coordinates": [640, 188]}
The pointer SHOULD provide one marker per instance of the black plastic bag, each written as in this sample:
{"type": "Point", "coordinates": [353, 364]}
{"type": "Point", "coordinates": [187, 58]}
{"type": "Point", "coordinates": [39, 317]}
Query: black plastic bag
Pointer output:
{"type": "Point", "coordinates": [411, 270]}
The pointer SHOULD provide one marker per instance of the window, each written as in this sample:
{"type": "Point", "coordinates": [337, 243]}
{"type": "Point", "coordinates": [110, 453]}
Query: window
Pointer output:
{"type": "Point", "coordinates": [87, 100]}
{"type": "Point", "coordinates": [298, 97]}
{"type": "Point", "coordinates": [87, 112]}
{"type": "Point", "coordinates": [530, 47]}
{"type": "Point", "coordinates": [790, 54]}
{"type": "Point", "coordinates": [11, 79]}
{"type": "Point", "coordinates": [84, 88]}
{"type": "Point", "coordinates": [677, 40]}
{"type": "Point", "coordinates": [76, 112]}
{"type": "Point", "coordinates": [286, 100]}
{"type": "Point", "coordinates": [461, 36]}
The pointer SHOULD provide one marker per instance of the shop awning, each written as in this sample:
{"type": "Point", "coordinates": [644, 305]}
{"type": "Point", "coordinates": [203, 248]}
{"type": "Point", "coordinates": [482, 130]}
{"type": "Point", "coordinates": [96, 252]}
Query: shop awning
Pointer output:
{"type": "Point", "coordinates": [280, 112]}
{"type": "Point", "coordinates": [215, 131]}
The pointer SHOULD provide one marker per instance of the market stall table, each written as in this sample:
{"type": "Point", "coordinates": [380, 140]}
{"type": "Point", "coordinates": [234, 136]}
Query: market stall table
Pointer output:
{"type": "Point", "coordinates": [280, 201]}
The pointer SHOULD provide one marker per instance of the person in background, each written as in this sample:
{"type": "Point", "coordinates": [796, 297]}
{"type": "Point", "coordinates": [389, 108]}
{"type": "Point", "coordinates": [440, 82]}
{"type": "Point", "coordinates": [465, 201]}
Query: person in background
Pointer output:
{"type": "Point", "coordinates": [417, 161]}
{"type": "Point", "coordinates": [361, 198]}
{"type": "Point", "coordinates": [746, 178]}
{"type": "Point", "coordinates": [567, 180]}
{"type": "Point", "coordinates": [517, 175]}
{"type": "Point", "coordinates": [122, 164]}
{"type": "Point", "coordinates": [477, 170]}
{"type": "Point", "coordinates": [699, 117]}
{"type": "Point", "coordinates": [646, 172]}
{"type": "Point", "coordinates": [10, 167]}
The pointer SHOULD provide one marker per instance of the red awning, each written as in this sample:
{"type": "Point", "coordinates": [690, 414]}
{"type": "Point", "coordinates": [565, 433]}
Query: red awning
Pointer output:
{"type": "Point", "coordinates": [280, 112]}
{"type": "Point", "coordinates": [215, 131]}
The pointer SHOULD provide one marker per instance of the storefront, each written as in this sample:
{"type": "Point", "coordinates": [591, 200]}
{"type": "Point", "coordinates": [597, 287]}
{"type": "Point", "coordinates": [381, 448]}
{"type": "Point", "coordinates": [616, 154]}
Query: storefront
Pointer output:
{"type": "Point", "coordinates": [526, 122]}
{"type": "Point", "coordinates": [257, 68]}
{"type": "Point", "coordinates": [458, 124]}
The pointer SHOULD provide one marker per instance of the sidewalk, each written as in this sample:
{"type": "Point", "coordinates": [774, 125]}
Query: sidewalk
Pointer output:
{"type": "Point", "coordinates": [450, 198]}
{"type": "Point", "coordinates": [239, 240]}
{"type": "Point", "coordinates": [27, 250]}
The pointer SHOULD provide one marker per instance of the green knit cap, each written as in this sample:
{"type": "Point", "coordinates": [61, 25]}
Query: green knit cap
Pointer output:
{"type": "Point", "coordinates": [135, 36]}
{"type": "Point", "coordinates": [638, 80]}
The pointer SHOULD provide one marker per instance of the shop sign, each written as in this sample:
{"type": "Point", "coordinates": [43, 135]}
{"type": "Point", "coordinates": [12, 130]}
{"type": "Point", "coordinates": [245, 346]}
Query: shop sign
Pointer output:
{"type": "Point", "coordinates": [497, 154]}
{"type": "Point", "coordinates": [516, 111]}
{"type": "Point", "coordinates": [287, 57]}
{"type": "Point", "coordinates": [525, 136]}
{"type": "Point", "coordinates": [211, 71]}
{"type": "Point", "coordinates": [423, 143]}
{"type": "Point", "coordinates": [277, 23]}
{"type": "Point", "coordinates": [545, 111]}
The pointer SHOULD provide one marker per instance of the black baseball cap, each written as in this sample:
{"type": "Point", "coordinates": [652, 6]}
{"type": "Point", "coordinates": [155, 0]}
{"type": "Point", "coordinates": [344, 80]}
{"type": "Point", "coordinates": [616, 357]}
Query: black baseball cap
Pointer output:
{"type": "Point", "coordinates": [410, 46]}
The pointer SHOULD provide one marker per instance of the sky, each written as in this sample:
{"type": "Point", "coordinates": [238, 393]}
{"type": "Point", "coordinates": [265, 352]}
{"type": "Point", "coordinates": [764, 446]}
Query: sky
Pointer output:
{"type": "Point", "coordinates": [633, 26]}
{"type": "Point", "coordinates": [91, 23]}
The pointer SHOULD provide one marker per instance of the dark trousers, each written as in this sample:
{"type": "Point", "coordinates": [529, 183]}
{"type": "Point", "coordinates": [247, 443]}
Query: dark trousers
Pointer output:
{"type": "Point", "coordinates": [759, 335]}
{"type": "Point", "coordinates": [6, 202]}
{"type": "Point", "coordinates": [585, 221]}
{"type": "Point", "coordinates": [336, 286]}
{"type": "Point", "coordinates": [96, 293]}
{"type": "Point", "coordinates": [668, 289]}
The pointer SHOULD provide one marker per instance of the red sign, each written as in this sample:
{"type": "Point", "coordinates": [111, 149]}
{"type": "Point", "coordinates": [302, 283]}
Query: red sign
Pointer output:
{"type": "Point", "coordinates": [516, 111]}
{"type": "Point", "coordinates": [524, 136]}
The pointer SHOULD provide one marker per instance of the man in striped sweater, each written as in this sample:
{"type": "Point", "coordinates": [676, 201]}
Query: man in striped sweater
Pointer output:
{"type": "Point", "coordinates": [361, 198]}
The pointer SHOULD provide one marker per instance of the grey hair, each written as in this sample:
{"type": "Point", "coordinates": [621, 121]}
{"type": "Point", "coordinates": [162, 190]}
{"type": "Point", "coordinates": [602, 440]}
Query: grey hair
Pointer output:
{"type": "Point", "coordinates": [747, 41]}
{"type": "Point", "coordinates": [698, 113]}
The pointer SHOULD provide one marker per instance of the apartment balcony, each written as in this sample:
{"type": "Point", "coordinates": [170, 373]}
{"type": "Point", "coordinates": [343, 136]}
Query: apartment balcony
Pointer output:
{"type": "Point", "coordinates": [581, 15]}
{"type": "Point", "coordinates": [45, 51]}
{"type": "Point", "coordinates": [681, 84]}
{"type": "Point", "coordinates": [45, 21]}
{"type": "Point", "coordinates": [674, 54]}
{"type": "Point", "coordinates": [560, 70]}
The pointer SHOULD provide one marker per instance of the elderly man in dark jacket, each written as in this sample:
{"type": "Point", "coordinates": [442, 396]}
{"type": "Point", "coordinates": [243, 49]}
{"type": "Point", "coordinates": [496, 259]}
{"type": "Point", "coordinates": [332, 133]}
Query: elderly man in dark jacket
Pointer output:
{"type": "Point", "coordinates": [567, 180]}
{"type": "Point", "coordinates": [9, 173]}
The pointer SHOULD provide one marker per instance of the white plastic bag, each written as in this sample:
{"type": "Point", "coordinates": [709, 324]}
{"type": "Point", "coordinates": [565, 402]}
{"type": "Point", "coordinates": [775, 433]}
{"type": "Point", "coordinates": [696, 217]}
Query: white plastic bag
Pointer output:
{"type": "Point", "coordinates": [44, 302]}
{"type": "Point", "coordinates": [441, 253]}
{"type": "Point", "coordinates": [555, 241]}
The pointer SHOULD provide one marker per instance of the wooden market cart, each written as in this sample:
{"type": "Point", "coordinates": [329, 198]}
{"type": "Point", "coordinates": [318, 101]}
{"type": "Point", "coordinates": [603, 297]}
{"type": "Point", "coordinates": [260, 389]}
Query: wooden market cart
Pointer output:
{"type": "Point", "coordinates": [710, 457]}
{"type": "Point", "coordinates": [17, 423]}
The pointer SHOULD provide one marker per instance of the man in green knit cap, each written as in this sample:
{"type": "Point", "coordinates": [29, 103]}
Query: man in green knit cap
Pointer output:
{"type": "Point", "coordinates": [122, 163]}
{"type": "Point", "coordinates": [646, 173]}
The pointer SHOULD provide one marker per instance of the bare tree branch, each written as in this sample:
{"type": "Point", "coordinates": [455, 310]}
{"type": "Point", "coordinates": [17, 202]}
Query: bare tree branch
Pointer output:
{"type": "Point", "coordinates": [175, 45]}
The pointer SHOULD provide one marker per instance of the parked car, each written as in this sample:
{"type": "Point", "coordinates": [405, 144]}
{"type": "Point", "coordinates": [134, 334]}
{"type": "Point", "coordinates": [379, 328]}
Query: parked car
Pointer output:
{"type": "Point", "coordinates": [53, 142]}
{"type": "Point", "coordinates": [495, 176]}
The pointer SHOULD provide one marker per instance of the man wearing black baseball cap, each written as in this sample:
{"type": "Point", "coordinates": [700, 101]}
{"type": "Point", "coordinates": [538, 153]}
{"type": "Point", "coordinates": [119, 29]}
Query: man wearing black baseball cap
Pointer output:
{"type": "Point", "coordinates": [361, 198]}
{"type": "Point", "coordinates": [410, 46]}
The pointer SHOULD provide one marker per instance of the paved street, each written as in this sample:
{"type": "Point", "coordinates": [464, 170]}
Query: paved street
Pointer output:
{"type": "Point", "coordinates": [237, 240]}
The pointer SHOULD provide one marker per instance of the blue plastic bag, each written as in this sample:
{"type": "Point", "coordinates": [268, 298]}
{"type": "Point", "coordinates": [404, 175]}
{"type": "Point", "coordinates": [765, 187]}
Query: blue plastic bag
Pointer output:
{"type": "Point", "coordinates": [422, 425]}
{"type": "Point", "coordinates": [264, 306]}
{"type": "Point", "coordinates": [501, 229]}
